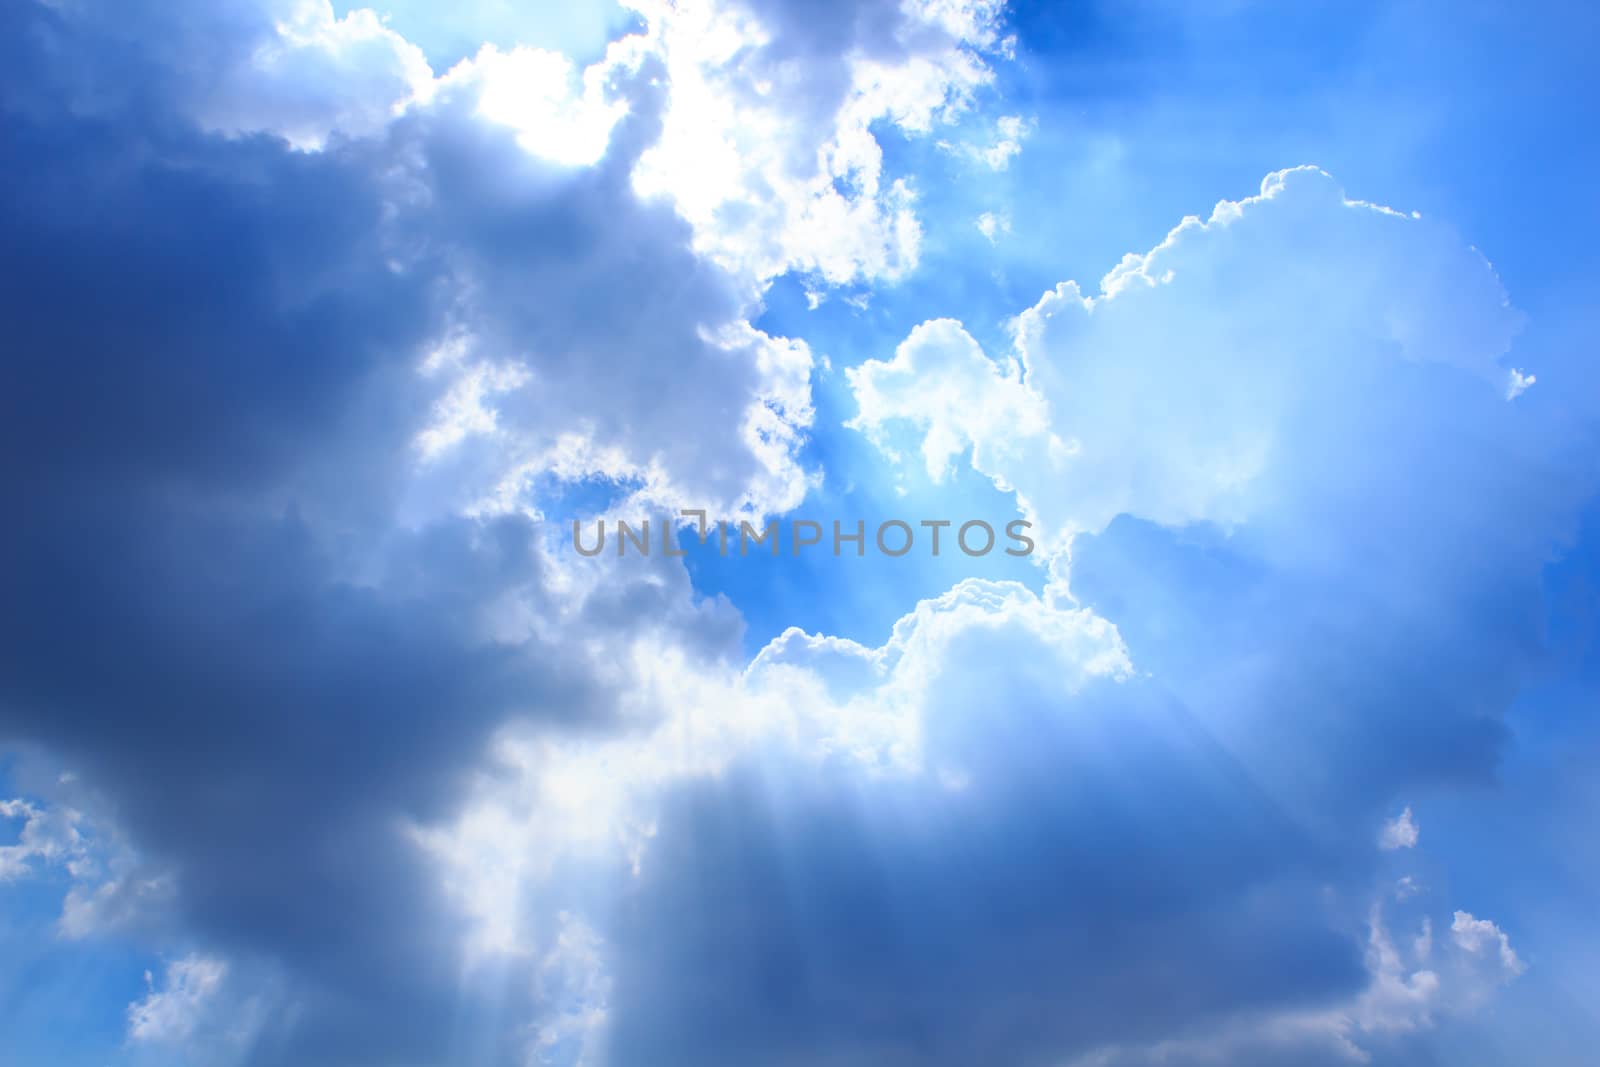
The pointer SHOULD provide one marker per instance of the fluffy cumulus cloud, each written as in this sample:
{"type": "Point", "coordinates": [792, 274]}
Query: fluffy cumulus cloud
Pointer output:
{"type": "Point", "coordinates": [312, 342]}
{"type": "Point", "coordinates": [315, 76]}
{"type": "Point", "coordinates": [766, 142]}
{"type": "Point", "coordinates": [768, 146]}
{"type": "Point", "coordinates": [1212, 369]}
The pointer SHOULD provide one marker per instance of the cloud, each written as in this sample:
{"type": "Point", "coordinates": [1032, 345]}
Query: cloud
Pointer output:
{"type": "Point", "coordinates": [991, 225]}
{"type": "Point", "coordinates": [901, 853]}
{"type": "Point", "coordinates": [538, 94]}
{"type": "Point", "coordinates": [247, 606]}
{"type": "Point", "coordinates": [1400, 832]}
{"type": "Point", "coordinates": [311, 342]}
{"type": "Point", "coordinates": [317, 75]}
{"type": "Point", "coordinates": [45, 838]}
{"type": "Point", "coordinates": [171, 1014]}
{"type": "Point", "coordinates": [1268, 452]}
{"type": "Point", "coordinates": [767, 145]}
{"type": "Point", "coordinates": [1477, 935]}
{"type": "Point", "coordinates": [765, 142]}
{"type": "Point", "coordinates": [1009, 133]}
{"type": "Point", "coordinates": [1409, 991]}
{"type": "Point", "coordinates": [974, 841]}
{"type": "Point", "coordinates": [1207, 367]}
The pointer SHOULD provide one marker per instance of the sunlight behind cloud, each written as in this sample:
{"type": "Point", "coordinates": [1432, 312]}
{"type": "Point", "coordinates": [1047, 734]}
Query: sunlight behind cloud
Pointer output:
{"type": "Point", "coordinates": [557, 113]}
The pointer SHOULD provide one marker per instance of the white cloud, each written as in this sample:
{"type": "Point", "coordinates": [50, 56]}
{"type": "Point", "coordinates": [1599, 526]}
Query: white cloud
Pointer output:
{"type": "Point", "coordinates": [1005, 145]}
{"type": "Point", "coordinates": [47, 837]}
{"type": "Point", "coordinates": [314, 75]}
{"type": "Point", "coordinates": [941, 381]}
{"type": "Point", "coordinates": [172, 1013]}
{"type": "Point", "coordinates": [1480, 937]}
{"type": "Point", "coordinates": [767, 145]}
{"type": "Point", "coordinates": [108, 887]}
{"type": "Point", "coordinates": [572, 991]}
{"type": "Point", "coordinates": [128, 896]}
{"type": "Point", "coordinates": [558, 114]}
{"type": "Point", "coordinates": [1405, 992]}
{"type": "Point", "coordinates": [1201, 380]}
{"type": "Point", "coordinates": [992, 225]}
{"type": "Point", "coordinates": [1401, 995]}
{"type": "Point", "coordinates": [1400, 832]}
{"type": "Point", "coordinates": [318, 75]}
{"type": "Point", "coordinates": [1010, 131]}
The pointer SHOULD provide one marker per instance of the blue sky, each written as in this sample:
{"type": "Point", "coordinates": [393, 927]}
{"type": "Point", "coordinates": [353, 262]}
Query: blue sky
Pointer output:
{"type": "Point", "coordinates": [319, 745]}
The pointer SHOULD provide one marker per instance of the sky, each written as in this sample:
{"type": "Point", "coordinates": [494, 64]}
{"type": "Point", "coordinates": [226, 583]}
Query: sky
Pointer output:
{"type": "Point", "coordinates": [323, 742]}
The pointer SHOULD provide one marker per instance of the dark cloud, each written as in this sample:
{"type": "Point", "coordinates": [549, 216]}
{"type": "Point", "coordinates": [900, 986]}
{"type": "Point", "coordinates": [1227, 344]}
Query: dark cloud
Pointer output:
{"type": "Point", "coordinates": [1108, 875]}
{"type": "Point", "coordinates": [207, 412]}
